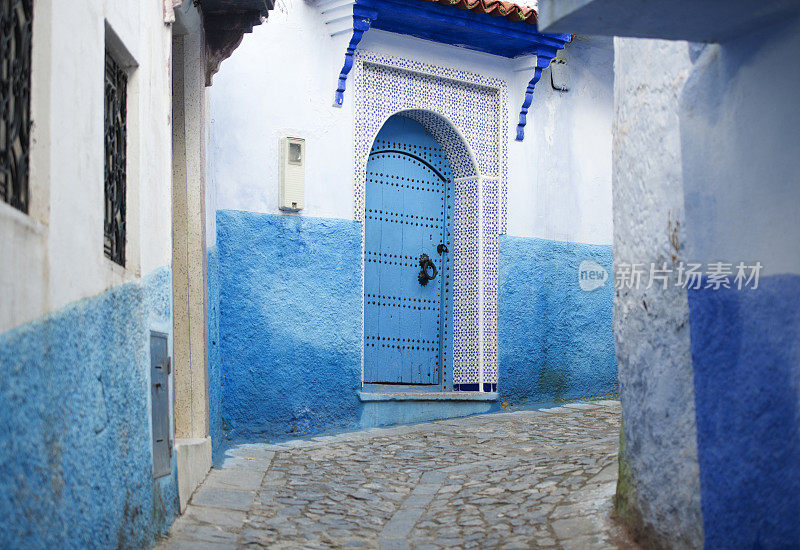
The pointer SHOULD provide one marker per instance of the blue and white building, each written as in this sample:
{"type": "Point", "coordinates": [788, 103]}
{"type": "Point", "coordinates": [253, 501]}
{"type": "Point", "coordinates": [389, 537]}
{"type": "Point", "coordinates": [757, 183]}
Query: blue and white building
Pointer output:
{"type": "Point", "coordinates": [103, 423]}
{"type": "Point", "coordinates": [705, 170]}
{"type": "Point", "coordinates": [388, 211]}
{"type": "Point", "coordinates": [404, 194]}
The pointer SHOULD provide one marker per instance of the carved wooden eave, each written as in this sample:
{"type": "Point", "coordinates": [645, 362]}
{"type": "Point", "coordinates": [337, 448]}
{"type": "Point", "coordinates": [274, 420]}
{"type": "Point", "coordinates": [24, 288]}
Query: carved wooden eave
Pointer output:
{"type": "Point", "coordinates": [225, 23]}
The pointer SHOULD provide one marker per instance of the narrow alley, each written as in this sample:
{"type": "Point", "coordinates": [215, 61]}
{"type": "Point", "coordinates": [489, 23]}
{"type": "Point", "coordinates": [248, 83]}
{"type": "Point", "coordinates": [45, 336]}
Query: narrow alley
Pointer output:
{"type": "Point", "coordinates": [528, 479]}
{"type": "Point", "coordinates": [389, 274]}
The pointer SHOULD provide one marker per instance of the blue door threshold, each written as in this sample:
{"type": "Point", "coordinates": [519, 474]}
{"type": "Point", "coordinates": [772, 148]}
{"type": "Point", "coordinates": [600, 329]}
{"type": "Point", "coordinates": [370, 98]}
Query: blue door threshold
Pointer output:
{"type": "Point", "coordinates": [390, 408]}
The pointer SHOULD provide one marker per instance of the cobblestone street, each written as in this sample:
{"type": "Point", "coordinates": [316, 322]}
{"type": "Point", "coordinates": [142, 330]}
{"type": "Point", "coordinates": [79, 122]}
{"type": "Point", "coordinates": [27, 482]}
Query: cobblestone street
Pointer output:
{"type": "Point", "coordinates": [529, 479]}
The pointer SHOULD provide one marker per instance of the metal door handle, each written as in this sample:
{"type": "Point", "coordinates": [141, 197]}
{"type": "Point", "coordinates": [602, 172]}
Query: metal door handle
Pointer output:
{"type": "Point", "coordinates": [425, 263]}
{"type": "Point", "coordinates": [442, 248]}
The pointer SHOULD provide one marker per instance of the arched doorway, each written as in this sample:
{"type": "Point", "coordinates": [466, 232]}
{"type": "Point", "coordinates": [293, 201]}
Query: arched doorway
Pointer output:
{"type": "Point", "coordinates": [467, 353]}
{"type": "Point", "coordinates": [407, 257]}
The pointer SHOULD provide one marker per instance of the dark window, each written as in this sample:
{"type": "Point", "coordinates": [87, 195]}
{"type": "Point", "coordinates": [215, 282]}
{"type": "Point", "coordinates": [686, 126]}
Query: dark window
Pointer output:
{"type": "Point", "coordinates": [15, 100]}
{"type": "Point", "coordinates": [115, 138]}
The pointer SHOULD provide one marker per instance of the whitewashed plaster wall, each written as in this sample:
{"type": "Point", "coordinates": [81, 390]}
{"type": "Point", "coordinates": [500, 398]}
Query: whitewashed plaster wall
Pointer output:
{"type": "Point", "coordinates": [659, 494]}
{"type": "Point", "coordinates": [56, 253]}
{"type": "Point", "coordinates": [281, 82]}
{"type": "Point", "coordinates": [742, 187]}
{"type": "Point", "coordinates": [561, 174]}
{"type": "Point", "coordinates": [705, 170]}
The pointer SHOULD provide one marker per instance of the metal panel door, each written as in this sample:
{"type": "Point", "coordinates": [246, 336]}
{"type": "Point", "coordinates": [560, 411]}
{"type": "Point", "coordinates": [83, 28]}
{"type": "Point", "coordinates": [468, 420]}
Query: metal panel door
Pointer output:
{"type": "Point", "coordinates": [406, 217]}
{"type": "Point", "coordinates": [159, 390]}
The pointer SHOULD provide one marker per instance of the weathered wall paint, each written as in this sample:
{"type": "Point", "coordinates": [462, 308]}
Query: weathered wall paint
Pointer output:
{"type": "Point", "coordinates": [555, 340]}
{"type": "Point", "coordinates": [559, 178]}
{"type": "Point", "coordinates": [290, 323]}
{"type": "Point", "coordinates": [290, 326]}
{"type": "Point", "coordinates": [215, 422]}
{"type": "Point", "coordinates": [710, 378]}
{"type": "Point", "coordinates": [54, 256]}
{"type": "Point", "coordinates": [741, 157]}
{"type": "Point", "coordinates": [746, 355]}
{"type": "Point", "coordinates": [75, 443]}
{"type": "Point", "coordinates": [658, 497]}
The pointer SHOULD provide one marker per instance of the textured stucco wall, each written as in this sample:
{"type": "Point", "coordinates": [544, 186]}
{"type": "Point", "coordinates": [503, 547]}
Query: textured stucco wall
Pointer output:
{"type": "Point", "coordinates": [741, 156]}
{"type": "Point", "coordinates": [290, 323]}
{"type": "Point", "coordinates": [555, 340]}
{"type": "Point", "coordinates": [746, 355]}
{"type": "Point", "coordinates": [75, 443]}
{"type": "Point", "coordinates": [659, 490]}
{"type": "Point", "coordinates": [215, 426]}
{"type": "Point", "coordinates": [559, 176]}
{"type": "Point", "coordinates": [54, 256]}
{"type": "Point", "coordinates": [710, 378]}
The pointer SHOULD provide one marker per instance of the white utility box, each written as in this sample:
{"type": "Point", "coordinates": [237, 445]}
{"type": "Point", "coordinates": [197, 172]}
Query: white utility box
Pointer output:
{"type": "Point", "coordinates": [293, 173]}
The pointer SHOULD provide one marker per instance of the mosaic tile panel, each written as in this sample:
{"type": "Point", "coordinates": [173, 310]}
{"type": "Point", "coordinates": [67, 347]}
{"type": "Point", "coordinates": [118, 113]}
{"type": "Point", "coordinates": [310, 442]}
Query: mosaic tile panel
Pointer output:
{"type": "Point", "coordinates": [466, 114]}
{"type": "Point", "coordinates": [474, 104]}
{"type": "Point", "coordinates": [490, 262]}
{"type": "Point", "coordinates": [466, 278]}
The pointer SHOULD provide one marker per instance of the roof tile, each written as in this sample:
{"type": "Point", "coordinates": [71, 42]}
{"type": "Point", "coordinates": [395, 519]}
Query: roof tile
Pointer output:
{"type": "Point", "coordinates": [498, 8]}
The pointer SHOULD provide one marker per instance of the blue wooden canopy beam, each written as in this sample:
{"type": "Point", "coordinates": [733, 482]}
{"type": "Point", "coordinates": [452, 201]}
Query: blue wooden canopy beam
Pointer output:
{"type": "Point", "coordinates": [543, 60]}
{"type": "Point", "coordinates": [362, 20]}
{"type": "Point", "coordinates": [447, 25]}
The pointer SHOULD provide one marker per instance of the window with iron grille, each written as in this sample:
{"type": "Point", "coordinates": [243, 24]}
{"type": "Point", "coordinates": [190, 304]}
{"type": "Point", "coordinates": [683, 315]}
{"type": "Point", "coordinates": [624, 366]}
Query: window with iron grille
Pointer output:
{"type": "Point", "coordinates": [15, 100]}
{"type": "Point", "coordinates": [115, 140]}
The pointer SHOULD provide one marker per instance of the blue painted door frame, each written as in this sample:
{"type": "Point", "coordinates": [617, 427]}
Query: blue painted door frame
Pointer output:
{"type": "Point", "coordinates": [407, 324]}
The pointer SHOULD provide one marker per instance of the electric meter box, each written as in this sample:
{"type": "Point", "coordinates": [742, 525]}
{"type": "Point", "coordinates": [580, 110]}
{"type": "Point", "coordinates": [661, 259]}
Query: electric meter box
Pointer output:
{"type": "Point", "coordinates": [293, 174]}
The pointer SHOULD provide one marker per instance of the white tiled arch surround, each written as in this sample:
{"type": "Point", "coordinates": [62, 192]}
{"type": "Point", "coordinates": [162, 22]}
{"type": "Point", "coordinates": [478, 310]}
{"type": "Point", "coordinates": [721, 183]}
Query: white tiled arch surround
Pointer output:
{"type": "Point", "coordinates": [466, 113]}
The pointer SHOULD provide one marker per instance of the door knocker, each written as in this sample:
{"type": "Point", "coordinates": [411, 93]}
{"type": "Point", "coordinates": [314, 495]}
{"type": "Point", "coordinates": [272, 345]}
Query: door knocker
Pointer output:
{"type": "Point", "coordinates": [425, 263]}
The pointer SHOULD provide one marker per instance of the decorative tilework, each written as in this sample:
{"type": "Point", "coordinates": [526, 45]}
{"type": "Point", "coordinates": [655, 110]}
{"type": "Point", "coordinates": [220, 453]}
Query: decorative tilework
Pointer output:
{"type": "Point", "coordinates": [466, 287]}
{"type": "Point", "coordinates": [466, 114]}
{"type": "Point", "coordinates": [490, 274]}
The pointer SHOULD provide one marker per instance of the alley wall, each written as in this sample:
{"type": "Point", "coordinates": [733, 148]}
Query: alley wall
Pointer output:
{"type": "Point", "coordinates": [74, 351]}
{"type": "Point", "coordinates": [709, 375]}
{"type": "Point", "coordinates": [559, 214]}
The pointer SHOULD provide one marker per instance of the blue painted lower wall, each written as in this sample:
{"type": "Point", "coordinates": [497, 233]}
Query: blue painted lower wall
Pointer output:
{"type": "Point", "coordinates": [75, 448]}
{"type": "Point", "coordinates": [290, 323]}
{"type": "Point", "coordinates": [555, 341]}
{"type": "Point", "coordinates": [289, 295]}
{"type": "Point", "coordinates": [215, 422]}
{"type": "Point", "coordinates": [746, 356]}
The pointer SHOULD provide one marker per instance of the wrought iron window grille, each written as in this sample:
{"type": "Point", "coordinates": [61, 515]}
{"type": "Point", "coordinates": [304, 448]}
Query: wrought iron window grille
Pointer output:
{"type": "Point", "coordinates": [116, 82]}
{"type": "Point", "coordinates": [16, 17]}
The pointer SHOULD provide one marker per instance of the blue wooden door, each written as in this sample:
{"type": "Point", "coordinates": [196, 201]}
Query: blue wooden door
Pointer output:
{"type": "Point", "coordinates": [407, 215]}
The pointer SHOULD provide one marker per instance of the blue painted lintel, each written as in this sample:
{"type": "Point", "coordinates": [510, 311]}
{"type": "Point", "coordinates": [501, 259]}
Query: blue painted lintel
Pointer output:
{"type": "Point", "coordinates": [362, 20]}
{"type": "Point", "coordinates": [464, 28]}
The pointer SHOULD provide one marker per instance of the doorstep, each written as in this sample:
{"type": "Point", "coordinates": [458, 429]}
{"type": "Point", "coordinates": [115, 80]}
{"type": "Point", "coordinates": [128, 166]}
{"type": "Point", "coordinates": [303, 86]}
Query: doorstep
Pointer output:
{"type": "Point", "coordinates": [388, 408]}
{"type": "Point", "coordinates": [368, 397]}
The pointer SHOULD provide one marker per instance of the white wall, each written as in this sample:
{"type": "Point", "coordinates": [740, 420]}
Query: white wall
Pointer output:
{"type": "Point", "coordinates": [742, 191]}
{"type": "Point", "coordinates": [662, 487]}
{"type": "Point", "coordinates": [561, 173]}
{"type": "Point", "coordinates": [281, 81]}
{"type": "Point", "coordinates": [57, 252]}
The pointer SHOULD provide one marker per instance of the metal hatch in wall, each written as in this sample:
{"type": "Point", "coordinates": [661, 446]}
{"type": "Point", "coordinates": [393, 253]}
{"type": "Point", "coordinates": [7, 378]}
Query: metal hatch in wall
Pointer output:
{"type": "Point", "coordinates": [407, 260]}
{"type": "Point", "coordinates": [160, 366]}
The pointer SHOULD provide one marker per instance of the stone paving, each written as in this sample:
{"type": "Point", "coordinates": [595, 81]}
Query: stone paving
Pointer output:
{"type": "Point", "coordinates": [527, 479]}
